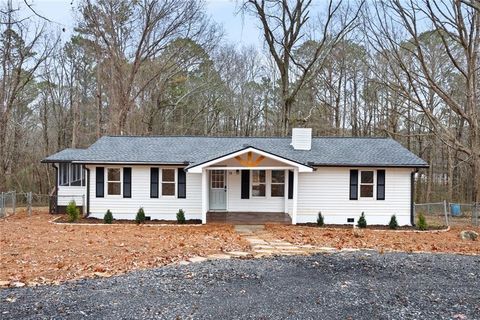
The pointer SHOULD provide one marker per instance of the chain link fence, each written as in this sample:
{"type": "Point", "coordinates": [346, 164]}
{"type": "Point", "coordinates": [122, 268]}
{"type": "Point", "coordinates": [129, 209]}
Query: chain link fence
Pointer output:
{"type": "Point", "coordinates": [12, 202]}
{"type": "Point", "coordinates": [448, 214]}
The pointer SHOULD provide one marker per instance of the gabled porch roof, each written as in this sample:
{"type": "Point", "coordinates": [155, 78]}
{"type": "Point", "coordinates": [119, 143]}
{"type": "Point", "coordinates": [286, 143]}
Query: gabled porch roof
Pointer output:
{"type": "Point", "coordinates": [197, 168]}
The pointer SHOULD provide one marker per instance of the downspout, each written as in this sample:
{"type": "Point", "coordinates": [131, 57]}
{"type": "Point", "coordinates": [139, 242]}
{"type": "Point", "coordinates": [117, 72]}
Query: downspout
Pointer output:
{"type": "Point", "coordinates": [412, 197]}
{"type": "Point", "coordinates": [87, 209]}
{"type": "Point", "coordinates": [55, 193]}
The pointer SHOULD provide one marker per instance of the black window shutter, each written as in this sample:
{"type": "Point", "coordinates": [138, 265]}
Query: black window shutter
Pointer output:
{"type": "Point", "coordinates": [99, 182]}
{"type": "Point", "coordinates": [127, 182]}
{"type": "Point", "coordinates": [245, 184]}
{"type": "Point", "coordinates": [380, 184]}
{"type": "Point", "coordinates": [182, 183]}
{"type": "Point", "coordinates": [353, 184]}
{"type": "Point", "coordinates": [290, 184]}
{"type": "Point", "coordinates": [153, 182]}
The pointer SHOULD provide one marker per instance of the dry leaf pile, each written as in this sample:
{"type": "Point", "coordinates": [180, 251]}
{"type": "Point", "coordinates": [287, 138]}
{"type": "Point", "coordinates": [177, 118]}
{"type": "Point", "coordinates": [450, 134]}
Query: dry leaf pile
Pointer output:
{"type": "Point", "coordinates": [380, 240]}
{"type": "Point", "coordinates": [34, 251]}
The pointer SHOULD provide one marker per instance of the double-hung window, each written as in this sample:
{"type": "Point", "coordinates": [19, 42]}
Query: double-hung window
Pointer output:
{"type": "Point", "coordinates": [258, 183]}
{"type": "Point", "coordinates": [168, 182]}
{"type": "Point", "coordinates": [114, 182]}
{"type": "Point", "coordinates": [366, 184]}
{"type": "Point", "coordinates": [278, 183]}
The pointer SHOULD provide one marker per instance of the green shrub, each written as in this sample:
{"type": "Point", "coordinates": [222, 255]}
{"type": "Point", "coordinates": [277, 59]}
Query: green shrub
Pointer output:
{"type": "Point", "coordinates": [72, 211]}
{"type": "Point", "coordinates": [362, 222]}
{"type": "Point", "coordinates": [181, 216]}
{"type": "Point", "coordinates": [393, 224]}
{"type": "Point", "coordinates": [140, 218]}
{"type": "Point", "coordinates": [421, 222]}
{"type": "Point", "coordinates": [108, 217]}
{"type": "Point", "coordinates": [320, 221]}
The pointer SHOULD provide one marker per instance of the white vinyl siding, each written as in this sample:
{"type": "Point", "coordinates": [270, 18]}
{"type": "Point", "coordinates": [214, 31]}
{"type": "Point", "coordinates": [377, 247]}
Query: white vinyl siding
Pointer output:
{"type": "Point", "coordinates": [327, 190]}
{"type": "Point", "coordinates": [164, 207]}
{"type": "Point", "coordinates": [66, 194]}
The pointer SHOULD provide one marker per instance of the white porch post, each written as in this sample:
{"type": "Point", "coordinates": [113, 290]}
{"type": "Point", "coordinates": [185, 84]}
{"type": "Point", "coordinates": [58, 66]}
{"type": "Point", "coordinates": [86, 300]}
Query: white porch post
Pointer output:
{"type": "Point", "coordinates": [295, 196]}
{"type": "Point", "coordinates": [204, 195]}
{"type": "Point", "coordinates": [285, 192]}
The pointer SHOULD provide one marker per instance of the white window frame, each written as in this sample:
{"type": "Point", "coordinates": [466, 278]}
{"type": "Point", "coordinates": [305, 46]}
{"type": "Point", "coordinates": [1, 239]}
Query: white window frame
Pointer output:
{"type": "Point", "coordinates": [277, 183]}
{"type": "Point", "coordinates": [161, 182]}
{"type": "Point", "coordinates": [258, 183]}
{"type": "Point", "coordinates": [373, 184]}
{"type": "Point", "coordinates": [114, 181]}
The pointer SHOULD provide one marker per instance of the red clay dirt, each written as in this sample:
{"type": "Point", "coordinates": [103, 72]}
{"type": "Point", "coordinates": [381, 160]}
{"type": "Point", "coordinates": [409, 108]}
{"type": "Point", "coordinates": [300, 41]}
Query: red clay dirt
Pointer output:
{"type": "Point", "coordinates": [33, 250]}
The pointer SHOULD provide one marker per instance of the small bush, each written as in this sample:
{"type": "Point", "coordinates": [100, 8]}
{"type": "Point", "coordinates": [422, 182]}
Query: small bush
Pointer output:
{"type": "Point", "coordinates": [362, 222]}
{"type": "Point", "coordinates": [108, 217]}
{"type": "Point", "coordinates": [421, 222]}
{"type": "Point", "coordinates": [320, 221]}
{"type": "Point", "coordinates": [181, 216]}
{"type": "Point", "coordinates": [393, 224]}
{"type": "Point", "coordinates": [140, 218]}
{"type": "Point", "coordinates": [72, 211]}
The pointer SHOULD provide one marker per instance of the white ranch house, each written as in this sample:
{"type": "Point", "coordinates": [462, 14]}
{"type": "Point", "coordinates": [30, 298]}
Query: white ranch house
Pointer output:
{"type": "Point", "coordinates": [212, 177]}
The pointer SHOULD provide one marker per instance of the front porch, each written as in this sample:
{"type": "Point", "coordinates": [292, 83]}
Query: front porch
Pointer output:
{"type": "Point", "coordinates": [251, 218]}
{"type": "Point", "coordinates": [249, 186]}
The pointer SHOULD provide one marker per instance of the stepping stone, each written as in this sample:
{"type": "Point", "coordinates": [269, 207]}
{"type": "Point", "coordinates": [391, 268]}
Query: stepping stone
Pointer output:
{"type": "Point", "coordinates": [239, 253]}
{"type": "Point", "coordinates": [287, 248]}
{"type": "Point", "coordinates": [256, 241]}
{"type": "Point", "coordinates": [197, 259]}
{"type": "Point", "coordinates": [261, 246]}
{"type": "Point", "coordinates": [265, 251]}
{"type": "Point", "coordinates": [184, 263]}
{"type": "Point", "coordinates": [219, 256]}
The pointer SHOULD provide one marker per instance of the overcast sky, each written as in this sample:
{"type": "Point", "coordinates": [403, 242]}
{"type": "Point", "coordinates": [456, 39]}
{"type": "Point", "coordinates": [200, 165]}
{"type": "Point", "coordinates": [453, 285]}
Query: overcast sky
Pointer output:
{"type": "Point", "coordinates": [238, 29]}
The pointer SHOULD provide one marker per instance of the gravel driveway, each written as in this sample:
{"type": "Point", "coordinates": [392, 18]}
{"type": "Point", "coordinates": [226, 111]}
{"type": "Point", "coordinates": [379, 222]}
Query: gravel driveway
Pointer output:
{"type": "Point", "coordinates": [358, 285]}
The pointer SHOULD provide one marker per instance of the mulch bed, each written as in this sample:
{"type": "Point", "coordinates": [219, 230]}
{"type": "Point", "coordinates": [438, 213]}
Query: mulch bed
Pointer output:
{"type": "Point", "coordinates": [370, 227]}
{"type": "Point", "coordinates": [87, 220]}
{"type": "Point", "coordinates": [35, 251]}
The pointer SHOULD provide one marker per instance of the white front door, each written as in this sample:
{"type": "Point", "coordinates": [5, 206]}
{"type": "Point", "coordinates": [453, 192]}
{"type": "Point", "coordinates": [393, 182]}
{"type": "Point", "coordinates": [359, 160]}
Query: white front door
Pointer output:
{"type": "Point", "coordinates": [218, 190]}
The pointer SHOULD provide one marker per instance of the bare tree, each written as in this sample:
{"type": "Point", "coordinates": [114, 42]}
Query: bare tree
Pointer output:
{"type": "Point", "coordinates": [129, 35]}
{"type": "Point", "coordinates": [22, 51]}
{"type": "Point", "coordinates": [457, 26]}
{"type": "Point", "coordinates": [284, 28]}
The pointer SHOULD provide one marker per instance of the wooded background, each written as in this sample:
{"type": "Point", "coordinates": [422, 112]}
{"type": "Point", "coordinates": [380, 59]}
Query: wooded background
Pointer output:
{"type": "Point", "coordinates": [404, 69]}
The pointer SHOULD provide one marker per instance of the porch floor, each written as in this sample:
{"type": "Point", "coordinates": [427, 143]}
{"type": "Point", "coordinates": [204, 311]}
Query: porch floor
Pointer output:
{"type": "Point", "coordinates": [248, 217]}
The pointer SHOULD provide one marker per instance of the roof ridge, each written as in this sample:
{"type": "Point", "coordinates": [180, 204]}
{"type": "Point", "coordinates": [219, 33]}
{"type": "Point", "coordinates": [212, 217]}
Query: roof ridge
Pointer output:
{"type": "Point", "coordinates": [243, 137]}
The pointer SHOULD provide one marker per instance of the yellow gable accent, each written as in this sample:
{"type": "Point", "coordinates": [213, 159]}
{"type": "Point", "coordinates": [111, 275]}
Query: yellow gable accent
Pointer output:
{"type": "Point", "coordinates": [249, 162]}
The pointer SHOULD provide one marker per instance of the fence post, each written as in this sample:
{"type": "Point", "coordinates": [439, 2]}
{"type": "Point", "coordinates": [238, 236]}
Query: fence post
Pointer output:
{"type": "Point", "coordinates": [14, 201]}
{"type": "Point", "coordinates": [29, 202]}
{"type": "Point", "coordinates": [475, 212]}
{"type": "Point", "coordinates": [2, 205]}
{"type": "Point", "coordinates": [445, 211]}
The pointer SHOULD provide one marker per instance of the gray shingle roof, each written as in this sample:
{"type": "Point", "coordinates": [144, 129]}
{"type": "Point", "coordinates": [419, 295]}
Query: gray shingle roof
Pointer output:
{"type": "Point", "coordinates": [326, 151]}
